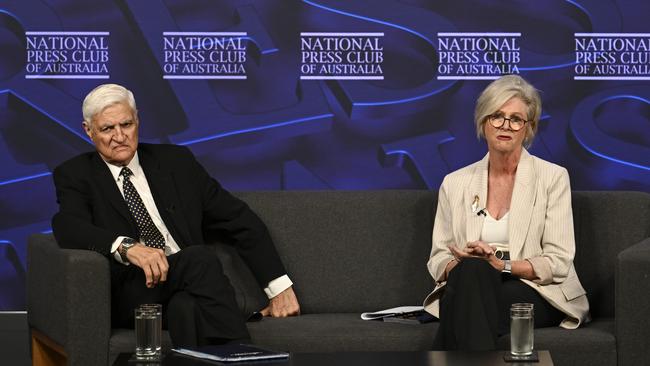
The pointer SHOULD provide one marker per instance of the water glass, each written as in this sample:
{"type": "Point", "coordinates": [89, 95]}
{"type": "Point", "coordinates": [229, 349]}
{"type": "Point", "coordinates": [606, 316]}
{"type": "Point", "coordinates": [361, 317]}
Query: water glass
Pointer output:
{"type": "Point", "coordinates": [148, 331]}
{"type": "Point", "coordinates": [522, 324]}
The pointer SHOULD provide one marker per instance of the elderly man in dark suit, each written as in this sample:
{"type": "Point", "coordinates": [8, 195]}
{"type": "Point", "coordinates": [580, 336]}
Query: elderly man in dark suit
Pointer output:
{"type": "Point", "coordinates": [148, 208]}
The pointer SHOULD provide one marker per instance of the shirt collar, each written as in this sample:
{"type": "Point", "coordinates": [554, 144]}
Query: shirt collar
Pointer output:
{"type": "Point", "coordinates": [134, 165]}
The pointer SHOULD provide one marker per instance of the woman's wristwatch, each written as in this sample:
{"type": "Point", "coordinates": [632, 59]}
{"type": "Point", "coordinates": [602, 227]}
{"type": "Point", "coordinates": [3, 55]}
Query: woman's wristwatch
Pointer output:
{"type": "Point", "coordinates": [507, 266]}
{"type": "Point", "coordinates": [127, 243]}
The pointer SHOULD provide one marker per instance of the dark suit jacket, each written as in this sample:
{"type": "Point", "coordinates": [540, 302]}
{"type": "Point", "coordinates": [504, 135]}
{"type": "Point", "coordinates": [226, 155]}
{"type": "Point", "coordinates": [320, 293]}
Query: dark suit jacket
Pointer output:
{"type": "Point", "coordinates": [93, 213]}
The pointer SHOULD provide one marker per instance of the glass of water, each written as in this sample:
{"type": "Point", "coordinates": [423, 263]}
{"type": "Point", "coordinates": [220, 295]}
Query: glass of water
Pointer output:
{"type": "Point", "coordinates": [522, 324]}
{"type": "Point", "coordinates": [148, 331]}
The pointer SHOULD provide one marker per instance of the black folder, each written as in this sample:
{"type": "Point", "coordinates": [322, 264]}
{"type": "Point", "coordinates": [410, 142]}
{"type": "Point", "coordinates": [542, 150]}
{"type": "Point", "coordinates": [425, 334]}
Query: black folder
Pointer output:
{"type": "Point", "coordinates": [231, 353]}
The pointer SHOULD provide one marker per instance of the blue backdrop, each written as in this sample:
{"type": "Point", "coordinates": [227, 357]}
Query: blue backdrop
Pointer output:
{"type": "Point", "coordinates": [274, 131]}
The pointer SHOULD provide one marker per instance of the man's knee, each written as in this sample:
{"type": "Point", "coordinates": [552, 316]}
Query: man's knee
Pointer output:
{"type": "Point", "coordinates": [180, 302]}
{"type": "Point", "coordinates": [197, 255]}
{"type": "Point", "coordinates": [200, 250]}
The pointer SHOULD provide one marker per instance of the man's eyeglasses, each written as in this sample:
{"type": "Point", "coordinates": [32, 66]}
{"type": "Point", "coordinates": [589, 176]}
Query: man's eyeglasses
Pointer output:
{"type": "Point", "coordinates": [498, 120]}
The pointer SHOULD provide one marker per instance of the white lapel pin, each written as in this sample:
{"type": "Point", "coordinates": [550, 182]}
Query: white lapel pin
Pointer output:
{"type": "Point", "coordinates": [475, 204]}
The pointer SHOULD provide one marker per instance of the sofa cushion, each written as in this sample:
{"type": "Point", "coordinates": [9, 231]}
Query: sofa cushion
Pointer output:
{"type": "Point", "coordinates": [351, 251]}
{"type": "Point", "coordinates": [605, 223]}
{"type": "Point", "coordinates": [340, 332]}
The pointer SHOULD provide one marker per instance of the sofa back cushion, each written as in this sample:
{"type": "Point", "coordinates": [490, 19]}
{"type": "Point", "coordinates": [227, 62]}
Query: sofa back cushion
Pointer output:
{"type": "Point", "coordinates": [351, 251]}
{"type": "Point", "coordinates": [606, 223]}
{"type": "Point", "coordinates": [355, 251]}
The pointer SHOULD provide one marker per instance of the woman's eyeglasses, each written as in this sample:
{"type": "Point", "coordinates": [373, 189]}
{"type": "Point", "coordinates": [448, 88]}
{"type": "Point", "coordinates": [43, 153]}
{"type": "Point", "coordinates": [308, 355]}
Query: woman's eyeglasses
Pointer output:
{"type": "Point", "coordinates": [498, 120]}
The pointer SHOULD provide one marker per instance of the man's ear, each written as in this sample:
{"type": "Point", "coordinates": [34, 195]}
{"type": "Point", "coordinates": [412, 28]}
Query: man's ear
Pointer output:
{"type": "Point", "coordinates": [86, 128]}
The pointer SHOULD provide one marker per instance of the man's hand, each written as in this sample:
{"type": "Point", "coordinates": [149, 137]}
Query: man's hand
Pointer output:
{"type": "Point", "coordinates": [152, 261]}
{"type": "Point", "coordinates": [282, 305]}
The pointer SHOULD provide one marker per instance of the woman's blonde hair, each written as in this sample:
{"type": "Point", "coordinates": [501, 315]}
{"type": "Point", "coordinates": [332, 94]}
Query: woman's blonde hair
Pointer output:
{"type": "Point", "coordinates": [498, 93]}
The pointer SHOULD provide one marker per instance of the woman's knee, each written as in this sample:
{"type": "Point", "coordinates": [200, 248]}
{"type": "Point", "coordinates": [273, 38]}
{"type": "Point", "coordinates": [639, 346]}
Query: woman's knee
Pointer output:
{"type": "Point", "coordinates": [475, 265]}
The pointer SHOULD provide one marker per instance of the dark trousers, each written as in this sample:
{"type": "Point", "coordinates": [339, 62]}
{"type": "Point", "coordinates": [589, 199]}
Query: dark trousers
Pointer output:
{"type": "Point", "coordinates": [475, 307]}
{"type": "Point", "coordinates": [199, 305]}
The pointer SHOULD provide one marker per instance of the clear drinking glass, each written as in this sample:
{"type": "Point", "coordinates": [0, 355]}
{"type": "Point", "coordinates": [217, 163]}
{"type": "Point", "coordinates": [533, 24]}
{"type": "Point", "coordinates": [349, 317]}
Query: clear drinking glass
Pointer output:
{"type": "Point", "coordinates": [522, 324]}
{"type": "Point", "coordinates": [148, 331]}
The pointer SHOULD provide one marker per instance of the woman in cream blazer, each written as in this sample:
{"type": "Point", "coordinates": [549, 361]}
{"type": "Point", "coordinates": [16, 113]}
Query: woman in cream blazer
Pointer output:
{"type": "Point", "coordinates": [503, 231]}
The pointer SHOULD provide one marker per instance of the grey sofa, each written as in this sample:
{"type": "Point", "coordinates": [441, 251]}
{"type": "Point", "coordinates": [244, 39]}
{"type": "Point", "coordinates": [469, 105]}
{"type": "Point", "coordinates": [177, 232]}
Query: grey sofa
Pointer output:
{"type": "Point", "coordinates": [350, 252]}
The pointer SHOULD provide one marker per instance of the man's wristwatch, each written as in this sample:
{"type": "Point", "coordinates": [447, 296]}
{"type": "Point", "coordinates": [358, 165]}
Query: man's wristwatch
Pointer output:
{"type": "Point", "coordinates": [507, 266]}
{"type": "Point", "coordinates": [127, 243]}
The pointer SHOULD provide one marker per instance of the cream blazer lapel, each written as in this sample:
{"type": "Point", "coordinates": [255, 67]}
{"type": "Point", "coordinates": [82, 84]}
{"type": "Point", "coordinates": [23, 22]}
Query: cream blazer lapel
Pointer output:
{"type": "Point", "coordinates": [477, 187]}
{"type": "Point", "coordinates": [522, 204]}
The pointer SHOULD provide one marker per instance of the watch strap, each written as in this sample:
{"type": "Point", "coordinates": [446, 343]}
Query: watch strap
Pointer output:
{"type": "Point", "coordinates": [126, 244]}
{"type": "Point", "coordinates": [507, 266]}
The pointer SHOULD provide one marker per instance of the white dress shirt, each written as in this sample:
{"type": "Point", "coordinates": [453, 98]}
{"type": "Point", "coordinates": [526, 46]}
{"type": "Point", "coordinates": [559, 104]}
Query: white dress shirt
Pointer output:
{"type": "Point", "coordinates": [140, 183]}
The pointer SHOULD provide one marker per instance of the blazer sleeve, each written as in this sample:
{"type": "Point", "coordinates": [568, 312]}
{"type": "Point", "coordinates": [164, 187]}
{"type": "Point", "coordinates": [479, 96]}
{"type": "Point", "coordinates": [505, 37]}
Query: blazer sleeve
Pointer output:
{"type": "Point", "coordinates": [442, 236]}
{"type": "Point", "coordinates": [72, 226]}
{"type": "Point", "coordinates": [226, 214]}
{"type": "Point", "coordinates": [558, 240]}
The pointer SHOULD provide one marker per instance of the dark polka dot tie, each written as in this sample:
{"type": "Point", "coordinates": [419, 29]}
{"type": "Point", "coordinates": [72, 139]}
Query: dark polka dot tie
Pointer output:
{"type": "Point", "coordinates": [149, 233]}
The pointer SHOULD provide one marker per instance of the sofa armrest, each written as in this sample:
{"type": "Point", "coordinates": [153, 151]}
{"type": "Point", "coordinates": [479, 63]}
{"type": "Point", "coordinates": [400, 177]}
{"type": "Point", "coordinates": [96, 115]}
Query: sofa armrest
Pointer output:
{"type": "Point", "coordinates": [633, 304]}
{"type": "Point", "coordinates": [68, 299]}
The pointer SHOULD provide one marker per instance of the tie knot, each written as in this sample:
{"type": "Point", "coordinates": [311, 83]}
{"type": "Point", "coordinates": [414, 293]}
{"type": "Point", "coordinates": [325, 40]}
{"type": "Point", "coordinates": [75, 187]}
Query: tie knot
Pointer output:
{"type": "Point", "coordinates": [126, 172]}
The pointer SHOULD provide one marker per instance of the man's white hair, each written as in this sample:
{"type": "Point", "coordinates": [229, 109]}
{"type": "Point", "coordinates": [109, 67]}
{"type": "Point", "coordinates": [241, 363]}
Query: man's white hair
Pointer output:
{"type": "Point", "coordinates": [103, 97]}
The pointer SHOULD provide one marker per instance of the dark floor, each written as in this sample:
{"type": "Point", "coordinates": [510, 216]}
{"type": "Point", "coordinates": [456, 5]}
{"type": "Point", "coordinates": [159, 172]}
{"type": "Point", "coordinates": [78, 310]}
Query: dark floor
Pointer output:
{"type": "Point", "coordinates": [14, 338]}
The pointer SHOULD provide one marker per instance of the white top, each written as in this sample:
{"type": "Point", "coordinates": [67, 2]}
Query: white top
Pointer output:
{"type": "Point", "coordinates": [141, 185]}
{"type": "Point", "coordinates": [495, 232]}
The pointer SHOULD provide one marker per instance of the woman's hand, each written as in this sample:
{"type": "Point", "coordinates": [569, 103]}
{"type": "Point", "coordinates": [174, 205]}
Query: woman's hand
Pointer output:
{"type": "Point", "coordinates": [478, 249]}
{"type": "Point", "coordinates": [459, 254]}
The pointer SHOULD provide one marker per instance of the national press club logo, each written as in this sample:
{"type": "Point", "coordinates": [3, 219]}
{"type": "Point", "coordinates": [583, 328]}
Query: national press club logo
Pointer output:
{"type": "Point", "coordinates": [477, 56]}
{"type": "Point", "coordinates": [67, 55]}
{"type": "Point", "coordinates": [341, 56]}
{"type": "Point", "coordinates": [204, 55]}
{"type": "Point", "coordinates": [612, 56]}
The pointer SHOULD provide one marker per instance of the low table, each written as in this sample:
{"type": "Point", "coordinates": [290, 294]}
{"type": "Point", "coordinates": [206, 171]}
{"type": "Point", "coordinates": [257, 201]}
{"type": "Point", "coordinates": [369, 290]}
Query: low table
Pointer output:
{"type": "Point", "coordinates": [419, 358]}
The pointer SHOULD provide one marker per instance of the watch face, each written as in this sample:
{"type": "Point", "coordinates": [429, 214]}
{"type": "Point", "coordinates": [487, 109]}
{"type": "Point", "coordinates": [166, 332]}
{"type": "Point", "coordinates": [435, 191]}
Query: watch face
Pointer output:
{"type": "Point", "coordinates": [128, 242]}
